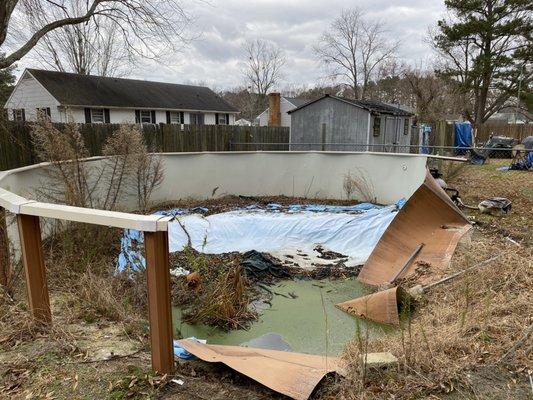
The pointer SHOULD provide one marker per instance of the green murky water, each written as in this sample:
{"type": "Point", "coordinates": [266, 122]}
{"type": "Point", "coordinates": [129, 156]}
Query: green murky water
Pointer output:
{"type": "Point", "coordinates": [310, 323]}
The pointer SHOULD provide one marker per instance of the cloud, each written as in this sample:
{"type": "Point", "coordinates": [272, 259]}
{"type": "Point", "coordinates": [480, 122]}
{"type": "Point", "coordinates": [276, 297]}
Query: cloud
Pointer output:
{"type": "Point", "coordinates": [216, 57]}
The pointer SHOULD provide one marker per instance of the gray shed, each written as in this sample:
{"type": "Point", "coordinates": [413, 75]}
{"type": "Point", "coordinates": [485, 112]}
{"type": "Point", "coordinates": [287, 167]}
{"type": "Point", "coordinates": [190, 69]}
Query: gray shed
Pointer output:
{"type": "Point", "coordinates": [335, 123]}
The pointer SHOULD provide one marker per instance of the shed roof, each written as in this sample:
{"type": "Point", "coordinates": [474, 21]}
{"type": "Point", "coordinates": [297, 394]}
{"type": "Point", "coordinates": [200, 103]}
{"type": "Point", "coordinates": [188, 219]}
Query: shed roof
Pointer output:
{"type": "Point", "coordinates": [295, 101]}
{"type": "Point", "coordinates": [373, 106]}
{"type": "Point", "coordinates": [91, 90]}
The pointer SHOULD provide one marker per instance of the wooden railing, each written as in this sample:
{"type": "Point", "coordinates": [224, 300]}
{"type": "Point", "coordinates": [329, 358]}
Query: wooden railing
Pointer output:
{"type": "Point", "coordinates": [28, 214]}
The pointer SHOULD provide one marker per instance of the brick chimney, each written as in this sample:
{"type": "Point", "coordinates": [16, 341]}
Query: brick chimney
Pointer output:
{"type": "Point", "coordinates": [274, 110]}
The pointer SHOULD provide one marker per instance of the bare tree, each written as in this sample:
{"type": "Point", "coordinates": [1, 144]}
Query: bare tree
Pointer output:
{"type": "Point", "coordinates": [264, 64]}
{"type": "Point", "coordinates": [147, 28]}
{"type": "Point", "coordinates": [435, 98]}
{"type": "Point", "coordinates": [354, 48]}
{"type": "Point", "coordinates": [90, 48]}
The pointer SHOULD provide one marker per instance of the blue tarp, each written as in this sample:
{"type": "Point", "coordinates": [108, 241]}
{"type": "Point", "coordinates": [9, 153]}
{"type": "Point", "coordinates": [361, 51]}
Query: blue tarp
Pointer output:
{"type": "Point", "coordinates": [131, 245]}
{"type": "Point", "coordinates": [424, 139]}
{"type": "Point", "coordinates": [462, 136]}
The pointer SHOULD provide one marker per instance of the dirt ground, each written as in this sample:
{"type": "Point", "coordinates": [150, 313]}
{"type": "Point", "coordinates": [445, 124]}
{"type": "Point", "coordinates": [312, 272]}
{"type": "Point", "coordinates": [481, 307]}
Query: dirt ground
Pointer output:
{"type": "Point", "coordinates": [464, 340]}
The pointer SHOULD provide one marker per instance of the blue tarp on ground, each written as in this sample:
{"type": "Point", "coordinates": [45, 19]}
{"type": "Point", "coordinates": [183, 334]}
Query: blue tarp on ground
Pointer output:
{"type": "Point", "coordinates": [131, 246]}
{"type": "Point", "coordinates": [462, 136]}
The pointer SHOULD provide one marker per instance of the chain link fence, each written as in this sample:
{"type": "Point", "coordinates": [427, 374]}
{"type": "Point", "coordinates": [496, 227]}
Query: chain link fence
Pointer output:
{"type": "Point", "coordinates": [467, 152]}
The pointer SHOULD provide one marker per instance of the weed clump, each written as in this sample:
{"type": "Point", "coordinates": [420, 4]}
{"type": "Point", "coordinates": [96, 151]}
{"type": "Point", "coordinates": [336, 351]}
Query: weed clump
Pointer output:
{"type": "Point", "coordinates": [216, 293]}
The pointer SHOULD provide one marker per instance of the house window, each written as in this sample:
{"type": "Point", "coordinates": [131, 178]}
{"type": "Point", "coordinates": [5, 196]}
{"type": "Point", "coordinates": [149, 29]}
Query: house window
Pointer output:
{"type": "Point", "coordinates": [97, 115]}
{"type": "Point", "coordinates": [377, 126]}
{"type": "Point", "coordinates": [19, 115]}
{"type": "Point", "coordinates": [43, 112]}
{"type": "Point", "coordinates": [175, 117]}
{"type": "Point", "coordinates": [146, 117]}
{"type": "Point", "coordinates": [196, 119]}
{"type": "Point", "coordinates": [222, 119]}
{"type": "Point", "coordinates": [406, 126]}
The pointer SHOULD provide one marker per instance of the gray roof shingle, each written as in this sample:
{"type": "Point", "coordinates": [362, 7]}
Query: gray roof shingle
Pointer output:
{"type": "Point", "coordinates": [91, 90]}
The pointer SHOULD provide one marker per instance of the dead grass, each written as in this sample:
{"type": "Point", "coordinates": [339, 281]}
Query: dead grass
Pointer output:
{"type": "Point", "coordinates": [477, 183]}
{"type": "Point", "coordinates": [461, 330]}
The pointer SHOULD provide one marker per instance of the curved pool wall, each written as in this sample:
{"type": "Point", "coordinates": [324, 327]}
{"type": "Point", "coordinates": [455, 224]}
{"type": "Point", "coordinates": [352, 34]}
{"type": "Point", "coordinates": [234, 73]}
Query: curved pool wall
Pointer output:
{"type": "Point", "coordinates": [315, 175]}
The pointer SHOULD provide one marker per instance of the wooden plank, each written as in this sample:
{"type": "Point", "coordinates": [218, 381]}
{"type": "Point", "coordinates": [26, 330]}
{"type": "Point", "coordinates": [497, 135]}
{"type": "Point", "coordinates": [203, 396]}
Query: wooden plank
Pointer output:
{"type": "Point", "coordinates": [158, 280]}
{"type": "Point", "coordinates": [5, 262]}
{"type": "Point", "coordinates": [33, 262]}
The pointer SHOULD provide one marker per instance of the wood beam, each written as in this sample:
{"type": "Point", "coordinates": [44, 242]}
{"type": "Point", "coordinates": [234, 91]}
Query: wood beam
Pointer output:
{"type": "Point", "coordinates": [5, 265]}
{"type": "Point", "coordinates": [160, 316]}
{"type": "Point", "coordinates": [33, 262]}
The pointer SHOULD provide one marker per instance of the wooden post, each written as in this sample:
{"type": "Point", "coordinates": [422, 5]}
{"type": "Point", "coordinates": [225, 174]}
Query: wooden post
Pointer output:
{"type": "Point", "coordinates": [33, 262]}
{"type": "Point", "coordinates": [5, 265]}
{"type": "Point", "coordinates": [158, 278]}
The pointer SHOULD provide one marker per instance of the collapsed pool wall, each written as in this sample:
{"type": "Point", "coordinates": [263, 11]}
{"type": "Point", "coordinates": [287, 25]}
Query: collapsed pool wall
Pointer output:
{"type": "Point", "coordinates": [429, 219]}
{"type": "Point", "coordinates": [210, 174]}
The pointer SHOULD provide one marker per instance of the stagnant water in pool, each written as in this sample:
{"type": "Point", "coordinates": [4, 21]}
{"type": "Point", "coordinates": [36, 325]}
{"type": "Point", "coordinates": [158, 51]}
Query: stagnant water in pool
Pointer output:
{"type": "Point", "coordinates": [309, 324]}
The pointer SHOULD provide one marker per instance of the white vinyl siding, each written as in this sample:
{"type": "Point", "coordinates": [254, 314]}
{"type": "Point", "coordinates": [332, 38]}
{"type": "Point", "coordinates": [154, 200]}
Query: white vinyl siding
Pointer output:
{"type": "Point", "coordinates": [285, 106]}
{"type": "Point", "coordinates": [31, 95]}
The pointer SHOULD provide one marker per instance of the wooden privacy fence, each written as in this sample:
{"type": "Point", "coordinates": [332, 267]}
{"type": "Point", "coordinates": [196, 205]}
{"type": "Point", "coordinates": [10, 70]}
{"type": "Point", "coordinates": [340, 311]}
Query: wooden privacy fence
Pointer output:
{"type": "Point", "coordinates": [16, 149]}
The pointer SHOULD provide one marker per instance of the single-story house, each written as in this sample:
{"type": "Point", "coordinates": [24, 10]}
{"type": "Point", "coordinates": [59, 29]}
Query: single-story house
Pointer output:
{"type": "Point", "coordinates": [68, 97]}
{"type": "Point", "coordinates": [345, 124]}
{"type": "Point", "coordinates": [277, 113]}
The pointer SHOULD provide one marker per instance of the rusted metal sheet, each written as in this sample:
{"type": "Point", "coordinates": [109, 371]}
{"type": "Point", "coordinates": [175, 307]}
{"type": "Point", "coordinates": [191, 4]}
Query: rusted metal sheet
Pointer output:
{"type": "Point", "coordinates": [383, 307]}
{"type": "Point", "coordinates": [428, 217]}
{"type": "Point", "coordinates": [292, 374]}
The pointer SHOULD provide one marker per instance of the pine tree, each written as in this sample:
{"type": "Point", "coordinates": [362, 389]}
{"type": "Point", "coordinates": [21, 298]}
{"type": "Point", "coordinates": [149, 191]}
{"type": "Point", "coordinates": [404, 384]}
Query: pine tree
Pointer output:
{"type": "Point", "coordinates": [487, 51]}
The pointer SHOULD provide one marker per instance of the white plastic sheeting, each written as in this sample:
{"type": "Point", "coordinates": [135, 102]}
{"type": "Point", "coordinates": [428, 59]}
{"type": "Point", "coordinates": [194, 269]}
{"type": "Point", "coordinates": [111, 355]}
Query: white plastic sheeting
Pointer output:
{"type": "Point", "coordinates": [284, 233]}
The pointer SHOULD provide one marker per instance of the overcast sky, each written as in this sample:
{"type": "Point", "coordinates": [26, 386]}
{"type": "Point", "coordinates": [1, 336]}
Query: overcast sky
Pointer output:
{"type": "Point", "coordinates": [216, 57]}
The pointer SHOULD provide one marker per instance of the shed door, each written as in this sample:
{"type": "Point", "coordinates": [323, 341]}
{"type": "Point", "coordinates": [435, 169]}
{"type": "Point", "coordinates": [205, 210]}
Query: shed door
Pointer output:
{"type": "Point", "coordinates": [390, 134]}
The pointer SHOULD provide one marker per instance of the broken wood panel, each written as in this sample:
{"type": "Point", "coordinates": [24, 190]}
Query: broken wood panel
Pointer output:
{"type": "Point", "coordinates": [292, 374]}
{"type": "Point", "coordinates": [428, 217]}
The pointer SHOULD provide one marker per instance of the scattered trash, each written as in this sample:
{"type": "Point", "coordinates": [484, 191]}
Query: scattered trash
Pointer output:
{"type": "Point", "coordinates": [193, 280]}
{"type": "Point", "coordinates": [259, 266]}
{"type": "Point", "coordinates": [179, 271]}
{"type": "Point", "coordinates": [384, 306]}
{"type": "Point", "coordinates": [292, 374]}
{"type": "Point", "coordinates": [181, 352]}
{"type": "Point", "coordinates": [379, 360]}
{"type": "Point", "coordinates": [269, 341]}
{"type": "Point", "coordinates": [512, 241]}
{"type": "Point", "coordinates": [178, 381]}
{"type": "Point", "coordinates": [496, 206]}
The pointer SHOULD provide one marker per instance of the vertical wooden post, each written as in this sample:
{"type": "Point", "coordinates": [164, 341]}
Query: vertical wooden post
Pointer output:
{"type": "Point", "coordinates": [158, 278]}
{"type": "Point", "coordinates": [5, 265]}
{"type": "Point", "coordinates": [33, 262]}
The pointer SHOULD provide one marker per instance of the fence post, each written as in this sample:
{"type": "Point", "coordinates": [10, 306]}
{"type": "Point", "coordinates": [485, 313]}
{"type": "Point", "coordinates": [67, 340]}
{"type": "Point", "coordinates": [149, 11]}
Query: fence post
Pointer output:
{"type": "Point", "coordinates": [160, 316]}
{"type": "Point", "coordinates": [33, 262]}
